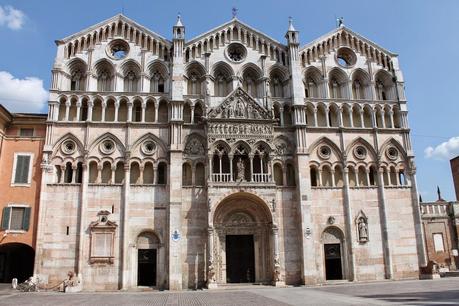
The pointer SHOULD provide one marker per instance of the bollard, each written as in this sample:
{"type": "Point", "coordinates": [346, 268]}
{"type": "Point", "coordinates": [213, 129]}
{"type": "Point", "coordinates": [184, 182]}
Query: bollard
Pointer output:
{"type": "Point", "coordinates": [14, 283]}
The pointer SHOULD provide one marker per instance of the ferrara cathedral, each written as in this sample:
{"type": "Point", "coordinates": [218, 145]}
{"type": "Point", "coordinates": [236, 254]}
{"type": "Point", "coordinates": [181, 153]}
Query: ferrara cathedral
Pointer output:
{"type": "Point", "coordinates": [230, 157]}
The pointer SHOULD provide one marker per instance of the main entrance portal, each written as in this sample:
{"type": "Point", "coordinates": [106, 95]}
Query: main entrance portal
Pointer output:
{"type": "Point", "coordinates": [240, 259]}
{"type": "Point", "coordinates": [241, 241]}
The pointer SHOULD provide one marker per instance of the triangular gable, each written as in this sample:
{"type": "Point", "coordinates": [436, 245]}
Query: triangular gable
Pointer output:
{"type": "Point", "coordinates": [230, 25]}
{"type": "Point", "coordinates": [114, 20]}
{"type": "Point", "coordinates": [344, 36]}
{"type": "Point", "coordinates": [239, 105]}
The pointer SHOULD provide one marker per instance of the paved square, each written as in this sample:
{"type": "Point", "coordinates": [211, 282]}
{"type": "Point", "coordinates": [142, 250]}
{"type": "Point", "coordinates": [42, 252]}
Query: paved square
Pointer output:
{"type": "Point", "coordinates": [427, 292]}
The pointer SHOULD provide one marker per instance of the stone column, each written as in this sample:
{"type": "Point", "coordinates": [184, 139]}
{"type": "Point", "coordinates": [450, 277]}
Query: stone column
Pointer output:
{"type": "Point", "coordinates": [420, 241]}
{"type": "Point", "coordinates": [78, 112]}
{"type": "Point", "coordinates": [74, 169]}
{"type": "Point", "coordinates": [211, 280]}
{"type": "Point", "coordinates": [156, 111]}
{"type": "Point", "coordinates": [129, 115]}
{"type": "Point", "coordinates": [230, 157]}
{"type": "Point", "coordinates": [90, 106]}
{"type": "Point", "coordinates": [348, 220]}
{"type": "Point", "coordinates": [281, 115]}
{"type": "Point", "coordinates": [82, 247]}
{"type": "Point", "coordinates": [315, 117]}
{"type": "Point", "coordinates": [251, 167]}
{"type": "Point", "coordinates": [386, 245]}
{"type": "Point", "coordinates": [144, 105]}
{"type": "Point", "coordinates": [62, 178]}
{"type": "Point", "coordinates": [67, 110]}
{"type": "Point", "coordinates": [117, 108]}
{"type": "Point", "coordinates": [278, 280]}
{"type": "Point", "coordinates": [125, 269]}
{"type": "Point", "coordinates": [104, 106]}
{"type": "Point", "coordinates": [192, 114]}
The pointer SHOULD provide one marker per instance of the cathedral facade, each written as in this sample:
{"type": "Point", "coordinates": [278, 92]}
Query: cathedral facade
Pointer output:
{"type": "Point", "coordinates": [226, 158]}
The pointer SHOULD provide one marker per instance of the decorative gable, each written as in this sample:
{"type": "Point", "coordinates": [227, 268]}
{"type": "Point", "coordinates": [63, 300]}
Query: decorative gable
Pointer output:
{"type": "Point", "coordinates": [118, 26]}
{"type": "Point", "coordinates": [239, 105]}
{"type": "Point", "coordinates": [345, 37]}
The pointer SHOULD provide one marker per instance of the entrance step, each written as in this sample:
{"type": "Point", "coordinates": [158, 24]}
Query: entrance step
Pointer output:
{"type": "Point", "coordinates": [239, 286]}
{"type": "Point", "coordinates": [450, 274]}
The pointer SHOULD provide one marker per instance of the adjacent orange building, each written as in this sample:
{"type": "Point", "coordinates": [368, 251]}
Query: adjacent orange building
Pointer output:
{"type": "Point", "coordinates": [22, 138]}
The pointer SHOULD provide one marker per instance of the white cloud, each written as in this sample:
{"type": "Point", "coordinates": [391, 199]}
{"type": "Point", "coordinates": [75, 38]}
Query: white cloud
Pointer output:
{"type": "Point", "coordinates": [11, 17]}
{"type": "Point", "coordinates": [22, 95]}
{"type": "Point", "coordinates": [445, 150]}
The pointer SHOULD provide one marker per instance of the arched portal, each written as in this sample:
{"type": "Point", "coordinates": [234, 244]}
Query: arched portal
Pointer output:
{"type": "Point", "coordinates": [148, 246]}
{"type": "Point", "coordinates": [16, 261]}
{"type": "Point", "coordinates": [334, 253]}
{"type": "Point", "coordinates": [242, 246]}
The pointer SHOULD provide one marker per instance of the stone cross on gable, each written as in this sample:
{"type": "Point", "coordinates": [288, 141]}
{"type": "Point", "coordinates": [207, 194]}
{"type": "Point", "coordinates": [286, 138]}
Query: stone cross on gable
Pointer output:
{"type": "Point", "coordinates": [234, 11]}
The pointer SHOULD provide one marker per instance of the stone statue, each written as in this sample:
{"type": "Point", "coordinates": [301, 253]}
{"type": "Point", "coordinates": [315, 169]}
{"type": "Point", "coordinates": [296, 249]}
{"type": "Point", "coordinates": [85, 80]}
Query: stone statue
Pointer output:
{"type": "Point", "coordinates": [277, 272]}
{"type": "Point", "coordinates": [363, 230]}
{"type": "Point", "coordinates": [240, 170]}
{"type": "Point", "coordinates": [239, 112]}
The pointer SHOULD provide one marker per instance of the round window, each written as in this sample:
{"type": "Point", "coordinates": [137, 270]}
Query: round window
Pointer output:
{"type": "Point", "coordinates": [107, 146]}
{"type": "Point", "coordinates": [236, 52]}
{"type": "Point", "coordinates": [324, 152]}
{"type": "Point", "coordinates": [118, 49]}
{"type": "Point", "coordinates": [68, 147]}
{"type": "Point", "coordinates": [392, 153]}
{"type": "Point", "coordinates": [345, 57]}
{"type": "Point", "coordinates": [148, 147]}
{"type": "Point", "coordinates": [360, 152]}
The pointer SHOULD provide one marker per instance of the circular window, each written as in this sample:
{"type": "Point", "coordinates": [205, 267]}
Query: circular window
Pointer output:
{"type": "Point", "coordinates": [324, 152]}
{"type": "Point", "coordinates": [68, 147]}
{"type": "Point", "coordinates": [360, 152]}
{"type": "Point", "coordinates": [148, 147]}
{"type": "Point", "coordinates": [345, 57]}
{"type": "Point", "coordinates": [107, 146]}
{"type": "Point", "coordinates": [118, 49]}
{"type": "Point", "coordinates": [236, 52]}
{"type": "Point", "coordinates": [392, 153]}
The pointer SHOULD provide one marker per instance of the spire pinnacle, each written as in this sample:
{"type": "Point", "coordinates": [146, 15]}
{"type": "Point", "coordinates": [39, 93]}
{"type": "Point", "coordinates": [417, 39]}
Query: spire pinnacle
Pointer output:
{"type": "Point", "coordinates": [290, 24]}
{"type": "Point", "coordinates": [179, 21]}
{"type": "Point", "coordinates": [439, 194]}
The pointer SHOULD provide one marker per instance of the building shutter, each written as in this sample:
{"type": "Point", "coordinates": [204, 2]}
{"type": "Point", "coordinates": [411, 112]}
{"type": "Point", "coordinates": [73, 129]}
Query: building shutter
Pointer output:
{"type": "Point", "coordinates": [26, 219]}
{"type": "Point", "coordinates": [22, 169]}
{"type": "Point", "coordinates": [6, 217]}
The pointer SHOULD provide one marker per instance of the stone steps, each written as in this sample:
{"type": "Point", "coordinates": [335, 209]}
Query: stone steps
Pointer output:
{"type": "Point", "coordinates": [450, 274]}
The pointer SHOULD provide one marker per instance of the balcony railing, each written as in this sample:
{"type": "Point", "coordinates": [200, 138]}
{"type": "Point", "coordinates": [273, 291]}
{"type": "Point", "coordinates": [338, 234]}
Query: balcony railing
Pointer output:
{"type": "Point", "coordinates": [255, 178]}
{"type": "Point", "coordinates": [435, 209]}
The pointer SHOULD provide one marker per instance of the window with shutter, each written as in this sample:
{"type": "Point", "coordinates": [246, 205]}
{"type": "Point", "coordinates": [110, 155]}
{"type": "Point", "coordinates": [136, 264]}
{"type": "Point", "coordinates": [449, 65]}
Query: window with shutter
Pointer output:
{"type": "Point", "coordinates": [21, 171]}
{"type": "Point", "coordinates": [17, 217]}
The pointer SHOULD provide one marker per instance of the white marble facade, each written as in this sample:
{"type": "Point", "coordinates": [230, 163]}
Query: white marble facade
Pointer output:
{"type": "Point", "coordinates": [174, 146]}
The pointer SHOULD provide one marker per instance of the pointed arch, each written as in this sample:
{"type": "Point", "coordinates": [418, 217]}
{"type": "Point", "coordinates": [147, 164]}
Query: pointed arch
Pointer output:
{"type": "Point", "coordinates": [105, 136]}
{"type": "Point", "coordinates": [325, 140]}
{"type": "Point", "coordinates": [365, 143]}
{"type": "Point", "coordinates": [69, 135]}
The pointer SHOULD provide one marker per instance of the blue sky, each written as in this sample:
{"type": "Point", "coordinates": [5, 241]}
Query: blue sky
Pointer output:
{"type": "Point", "coordinates": [423, 33]}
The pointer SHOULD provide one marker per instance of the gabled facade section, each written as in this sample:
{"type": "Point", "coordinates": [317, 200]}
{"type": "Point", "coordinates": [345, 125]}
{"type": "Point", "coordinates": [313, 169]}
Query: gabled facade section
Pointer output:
{"type": "Point", "coordinates": [344, 36]}
{"type": "Point", "coordinates": [118, 26]}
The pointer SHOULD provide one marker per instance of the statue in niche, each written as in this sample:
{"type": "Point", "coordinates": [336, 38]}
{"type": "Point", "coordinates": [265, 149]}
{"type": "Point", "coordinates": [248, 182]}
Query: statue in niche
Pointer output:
{"type": "Point", "coordinates": [240, 170]}
{"type": "Point", "coordinates": [363, 229]}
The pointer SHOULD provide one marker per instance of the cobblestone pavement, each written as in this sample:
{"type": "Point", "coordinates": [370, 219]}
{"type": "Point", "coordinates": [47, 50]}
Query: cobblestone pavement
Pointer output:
{"type": "Point", "coordinates": [426, 292]}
